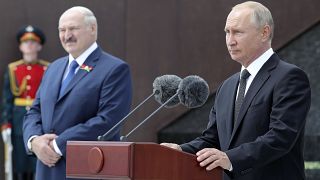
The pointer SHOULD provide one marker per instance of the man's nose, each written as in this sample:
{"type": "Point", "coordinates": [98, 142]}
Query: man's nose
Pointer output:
{"type": "Point", "coordinates": [67, 34]}
{"type": "Point", "coordinates": [231, 41]}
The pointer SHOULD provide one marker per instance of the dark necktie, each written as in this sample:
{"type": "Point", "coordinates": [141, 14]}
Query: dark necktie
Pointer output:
{"type": "Point", "coordinates": [242, 88]}
{"type": "Point", "coordinates": [72, 69]}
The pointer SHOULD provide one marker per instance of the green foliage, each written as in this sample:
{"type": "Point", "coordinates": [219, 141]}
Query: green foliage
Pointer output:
{"type": "Point", "coordinates": [312, 164]}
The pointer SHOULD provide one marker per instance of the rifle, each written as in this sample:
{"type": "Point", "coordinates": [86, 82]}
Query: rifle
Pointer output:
{"type": "Point", "coordinates": [8, 157]}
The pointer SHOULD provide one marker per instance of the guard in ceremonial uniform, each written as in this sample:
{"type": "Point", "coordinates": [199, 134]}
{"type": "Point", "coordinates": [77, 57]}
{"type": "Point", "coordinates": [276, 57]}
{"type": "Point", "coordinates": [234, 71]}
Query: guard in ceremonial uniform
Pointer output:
{"type": "Point", "coordinates": [21, 82]}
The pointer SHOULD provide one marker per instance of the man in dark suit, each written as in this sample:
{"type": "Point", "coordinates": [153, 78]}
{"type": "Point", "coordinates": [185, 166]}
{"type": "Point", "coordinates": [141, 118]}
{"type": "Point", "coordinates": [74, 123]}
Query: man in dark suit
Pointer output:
{"type": "Point", "coordinates": [256, 126]}
{"type": "Point", "coordinates": [81, 96]}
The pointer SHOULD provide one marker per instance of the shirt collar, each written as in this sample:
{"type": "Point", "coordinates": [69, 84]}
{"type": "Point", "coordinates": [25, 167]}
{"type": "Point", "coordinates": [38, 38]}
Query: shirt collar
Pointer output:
{"type": "Point", "coordinates": [257, 64]}
{"type": "Point", "coordinates": [80, 60]}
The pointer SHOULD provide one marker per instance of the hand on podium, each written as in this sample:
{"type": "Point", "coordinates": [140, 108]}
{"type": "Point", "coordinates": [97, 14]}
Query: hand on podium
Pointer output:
{"type": "Point", "coordinates": [208, 157]}
{"type": "Point", "coordinates": [172, 145]}
{"type": "Point", "coordinates": [212, 158]}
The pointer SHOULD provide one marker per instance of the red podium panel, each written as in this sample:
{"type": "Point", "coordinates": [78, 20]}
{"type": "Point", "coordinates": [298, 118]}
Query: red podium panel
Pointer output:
{"type": "Point", "coordinates": [134, 161]}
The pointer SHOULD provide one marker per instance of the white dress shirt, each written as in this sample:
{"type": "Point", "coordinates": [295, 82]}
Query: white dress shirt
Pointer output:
{"type": "Point", "coordinates": [255, 67]}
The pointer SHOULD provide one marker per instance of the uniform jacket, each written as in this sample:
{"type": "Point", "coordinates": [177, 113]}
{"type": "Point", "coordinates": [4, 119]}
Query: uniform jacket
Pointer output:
{"type": "Point", "coordinates": [21, 82]}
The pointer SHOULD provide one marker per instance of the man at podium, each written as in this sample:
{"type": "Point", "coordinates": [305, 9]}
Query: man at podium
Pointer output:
{"type": "Point", "coordinates": [81, 96]}
{"type": "Point", "coordinates": [256, 126]}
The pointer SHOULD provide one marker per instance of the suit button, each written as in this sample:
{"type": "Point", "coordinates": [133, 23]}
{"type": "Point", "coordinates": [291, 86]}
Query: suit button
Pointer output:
{"type": "Point", "coordinates": [51, 130]}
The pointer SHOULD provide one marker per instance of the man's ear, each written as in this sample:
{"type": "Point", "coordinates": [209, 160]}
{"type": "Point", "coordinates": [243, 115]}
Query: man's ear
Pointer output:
{"type": "Point", "coordinates": [266, 32]}
{"type": "Point", "coordinates": [20, 47]}
{"type": "Point", "coordinates": [39, 47]}
{"type": "Point", "coordinates": [93, 28]}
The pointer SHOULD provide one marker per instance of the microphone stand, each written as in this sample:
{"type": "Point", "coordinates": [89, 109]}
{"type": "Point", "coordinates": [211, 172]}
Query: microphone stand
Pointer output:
{"type": "Point", "coordinates": [124, 138]}
{"type": "Point", "coordinates": [108, 134]}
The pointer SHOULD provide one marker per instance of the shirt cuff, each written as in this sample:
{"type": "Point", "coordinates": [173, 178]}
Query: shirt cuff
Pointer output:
{"type": "Point", "coordinates": [29, 142]}
{"type": "Point", "coordinates": [56, 148]}
{"type": "Point", "coordinates": [231, 168]}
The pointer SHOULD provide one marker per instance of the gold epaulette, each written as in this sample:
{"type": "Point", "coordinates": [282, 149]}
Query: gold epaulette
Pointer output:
{"type": "Point", "coordinates": [16, 63]}
{"type": "Point", "coordinates": [43, 62]}
{"type": "Point", "coordinates": [16, 91]}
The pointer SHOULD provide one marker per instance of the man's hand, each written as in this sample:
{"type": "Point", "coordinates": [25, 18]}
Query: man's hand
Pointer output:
{"type": "Point", "coordinates": [212, 158]}
{"type": "Point", "coordinates": [6, 135]}
{"type": "Point", "coordinates": [172, 145]}
{"type": "Point", "coordinates": [41, 148]}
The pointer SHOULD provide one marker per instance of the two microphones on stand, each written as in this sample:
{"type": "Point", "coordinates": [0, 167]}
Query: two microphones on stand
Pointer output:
{"type": "Point", "coordinates": [170, 91]}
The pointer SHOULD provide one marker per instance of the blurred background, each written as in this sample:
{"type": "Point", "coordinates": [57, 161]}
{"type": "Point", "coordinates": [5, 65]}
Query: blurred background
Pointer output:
{"type": "Point", "coordinates": [182, 37]}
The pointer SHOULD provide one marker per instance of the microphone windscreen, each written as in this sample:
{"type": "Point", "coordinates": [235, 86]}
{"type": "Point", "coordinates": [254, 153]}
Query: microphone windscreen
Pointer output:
{"type": "Point", "coordinates": [193, 91]}
{"type": "Point", "coordinates": [164, 88]}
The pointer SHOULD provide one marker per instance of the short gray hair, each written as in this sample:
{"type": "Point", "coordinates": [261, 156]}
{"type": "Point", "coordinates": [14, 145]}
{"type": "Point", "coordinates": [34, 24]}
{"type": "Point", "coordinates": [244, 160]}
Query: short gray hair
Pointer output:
{"type": "Point", "coordinates": [260, 14]}
{"type": "Point", "coordinates": [88, 15]}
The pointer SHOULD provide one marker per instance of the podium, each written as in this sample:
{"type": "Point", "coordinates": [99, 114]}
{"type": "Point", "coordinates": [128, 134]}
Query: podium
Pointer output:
{"type": "Point", "coordinates": [133, 161]}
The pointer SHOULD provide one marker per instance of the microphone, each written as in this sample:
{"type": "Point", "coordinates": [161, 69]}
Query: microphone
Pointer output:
{"type": "Point", "coordinates": [163, 88]}
{"type": "Point", "coordinates": [192, 92]}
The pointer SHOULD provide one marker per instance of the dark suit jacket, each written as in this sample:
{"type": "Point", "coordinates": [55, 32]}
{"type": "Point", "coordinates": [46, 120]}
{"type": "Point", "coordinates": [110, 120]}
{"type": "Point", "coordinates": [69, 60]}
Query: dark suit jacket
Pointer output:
{"type": "Point", "coordinates": [267, 140]}
{"type": "Point", "coordinates": [91, 104]}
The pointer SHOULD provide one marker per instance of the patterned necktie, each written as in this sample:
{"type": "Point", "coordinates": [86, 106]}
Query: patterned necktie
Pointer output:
{"type": "Point", "coordinates": [72, 68]}
{"type": "Point", "coordinates": [242, 88]}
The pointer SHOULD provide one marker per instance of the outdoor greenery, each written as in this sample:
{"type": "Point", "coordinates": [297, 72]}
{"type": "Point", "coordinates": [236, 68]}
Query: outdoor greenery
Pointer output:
{"type": "Point", "coordinates": [312, 164]}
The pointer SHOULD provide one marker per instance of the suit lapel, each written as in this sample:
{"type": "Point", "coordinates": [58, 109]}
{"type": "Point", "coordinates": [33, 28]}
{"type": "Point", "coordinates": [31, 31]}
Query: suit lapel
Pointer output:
{"type": "Point", "coordinates": [257, 83]}
{"type": "Point", "coordinates": [90, 61]}
{"type": "Point", "coordinates": [230, 101]}
{"type": "Point", "coordinates": [55, 85]}
{"type": "Point", "coordinates": [56, 82]}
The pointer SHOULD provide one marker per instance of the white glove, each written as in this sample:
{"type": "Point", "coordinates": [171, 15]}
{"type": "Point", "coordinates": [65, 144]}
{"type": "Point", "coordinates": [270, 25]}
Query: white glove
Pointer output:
{"type": "Point", "coordinates": [6, 135]}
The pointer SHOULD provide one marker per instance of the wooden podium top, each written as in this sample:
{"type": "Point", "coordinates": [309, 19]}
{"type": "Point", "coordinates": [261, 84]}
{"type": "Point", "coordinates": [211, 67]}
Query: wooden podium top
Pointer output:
{"type": "Point", "coordinates": [128, 160]}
